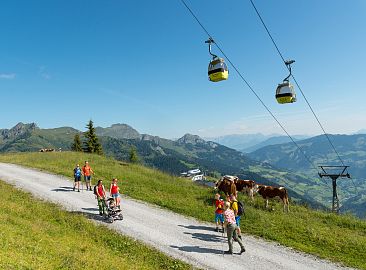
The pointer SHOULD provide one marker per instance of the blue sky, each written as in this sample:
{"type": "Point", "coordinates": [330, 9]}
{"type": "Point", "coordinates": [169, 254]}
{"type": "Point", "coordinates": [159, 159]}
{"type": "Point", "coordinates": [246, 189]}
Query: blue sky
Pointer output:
{"type": "Point", "coordinates": [144, 63]}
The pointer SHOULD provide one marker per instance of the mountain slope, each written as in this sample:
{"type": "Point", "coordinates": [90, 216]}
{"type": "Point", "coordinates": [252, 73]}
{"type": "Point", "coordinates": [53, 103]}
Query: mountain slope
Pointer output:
{"type": "Point", "coordinates": [240, 141]}
{"type": "Point", "coordinates": [33, 139]}
{"type": "Point", "coordinates": [351, 148]}
{"type": "Point", "coordinates": [214, 159]}
{"type": "Point", "coordinates": [272, 141]}
{"type": "Point", "coordinates": [118, 131]}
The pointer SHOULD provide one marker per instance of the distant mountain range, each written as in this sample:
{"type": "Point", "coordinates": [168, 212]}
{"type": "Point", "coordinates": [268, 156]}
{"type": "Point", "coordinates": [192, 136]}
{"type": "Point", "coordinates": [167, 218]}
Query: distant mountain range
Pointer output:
{"type": "Point", "coordinates": [240, 141]}
{"type": "Point", "coordinates": [247, 143]}
{"type": "Point", "coordinates": [276, 164]}
{"type": "Point", "coordinates": [272, 141]}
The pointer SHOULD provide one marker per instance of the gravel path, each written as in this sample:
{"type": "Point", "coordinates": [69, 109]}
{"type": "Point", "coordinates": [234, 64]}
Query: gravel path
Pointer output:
{"type": "Point", "coordinates": [178, 236]}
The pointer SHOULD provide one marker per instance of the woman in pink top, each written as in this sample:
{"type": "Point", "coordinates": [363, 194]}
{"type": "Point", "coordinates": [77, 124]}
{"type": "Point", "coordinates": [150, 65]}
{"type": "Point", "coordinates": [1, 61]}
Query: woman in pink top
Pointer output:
{"type": "Point", "coordinates": [231, 227]}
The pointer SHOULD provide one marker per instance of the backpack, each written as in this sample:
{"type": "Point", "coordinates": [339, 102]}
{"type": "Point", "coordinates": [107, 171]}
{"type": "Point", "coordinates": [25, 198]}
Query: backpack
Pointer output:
{"type": "Point", "coordinates": [95, 190]}
{"type": "Point", "coordinates": [240, 208]}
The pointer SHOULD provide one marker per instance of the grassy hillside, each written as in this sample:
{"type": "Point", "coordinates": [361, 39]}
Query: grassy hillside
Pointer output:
{"type": "Point", "coordinates": [338, 238]}
{"type": "Point", "coordinates": [39, 235]}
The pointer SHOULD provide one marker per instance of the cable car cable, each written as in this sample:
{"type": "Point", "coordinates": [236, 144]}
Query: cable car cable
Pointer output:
{"type": "Point", "coordinates": [249, 86]}
{"type": "Point", "coordinates": [297, 84]}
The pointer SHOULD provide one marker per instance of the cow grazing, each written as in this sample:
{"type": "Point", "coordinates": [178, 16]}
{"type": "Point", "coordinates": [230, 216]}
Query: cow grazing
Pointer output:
{"type": "Point", "coordinates": [268, 192]}
{"type": "Point", "coordinates": [246, 186]}
{"type": "Point", "coordinates": [227, 184]}
{"type": "Point", "coordinates": [43, 150]}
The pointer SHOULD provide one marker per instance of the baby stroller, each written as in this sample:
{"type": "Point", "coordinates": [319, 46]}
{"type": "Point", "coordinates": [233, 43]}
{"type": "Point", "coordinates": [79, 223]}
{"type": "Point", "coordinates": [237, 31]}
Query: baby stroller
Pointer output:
{"type": "Point", "coordinates": [113, 212]}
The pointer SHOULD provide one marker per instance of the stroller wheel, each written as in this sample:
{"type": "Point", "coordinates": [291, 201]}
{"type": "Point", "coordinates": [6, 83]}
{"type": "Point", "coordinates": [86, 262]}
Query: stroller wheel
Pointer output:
{"type": "Point", "coordinates": [111, 219]}
{"type": "Point", "coordinates": [120, 216]}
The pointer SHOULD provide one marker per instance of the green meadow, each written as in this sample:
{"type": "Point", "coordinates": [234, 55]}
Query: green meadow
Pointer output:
{"type": "Point", "coordinates": [337, 238]}
{"type": "Point", "coordinates": [39, 235]}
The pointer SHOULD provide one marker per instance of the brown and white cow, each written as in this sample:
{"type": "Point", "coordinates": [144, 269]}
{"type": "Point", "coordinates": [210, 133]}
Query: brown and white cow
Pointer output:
{"type": "Point", "coordinates": [246, 186]}
{"type": "Point", "coordinates": [227, 184]}
{"type": "Point", "coordinates": [268, 192]}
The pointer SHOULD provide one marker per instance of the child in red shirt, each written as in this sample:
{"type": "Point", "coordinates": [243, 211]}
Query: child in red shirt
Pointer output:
{"type": "Point", "coordinates": [114, 192]}
{"type": "Point", "coordinates": [219, 204]}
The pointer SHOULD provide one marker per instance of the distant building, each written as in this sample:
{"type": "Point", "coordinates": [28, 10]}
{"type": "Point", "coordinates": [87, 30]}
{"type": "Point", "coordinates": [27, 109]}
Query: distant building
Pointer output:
{"type": "Point", "coordinates": [195, 175]}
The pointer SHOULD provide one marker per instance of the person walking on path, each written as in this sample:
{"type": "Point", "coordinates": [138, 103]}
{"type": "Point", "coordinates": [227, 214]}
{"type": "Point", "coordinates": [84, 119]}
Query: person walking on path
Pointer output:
{"type": "Point", "coordinates": [87, 171]}
{"type": "Point", "coordinates": [100, 194]}
{"type": "Point", "coordinates": [219, 204]}
{"type": "Point", "coordinates": [114, 192]}
{"type": "Point", "coordinates": [231, 227]}
{"type": "Point", "coordinates": [235, 208]}
{"type": "Point", "coordinates": [77, 177]}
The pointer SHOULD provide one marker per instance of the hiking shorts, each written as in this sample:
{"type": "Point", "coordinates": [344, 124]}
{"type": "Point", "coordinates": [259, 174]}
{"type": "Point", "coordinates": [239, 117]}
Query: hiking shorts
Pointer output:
{"type": "Point", "coordinates": [237, 219]}
{"type": "Point", "coordinates": [219, 217]}
{"type": "Point", "coordinates": [115, 195]}
{"type": "Point", "coordinates": [87, 178]}
{"type": "Point", "coordinates": [77, 178]}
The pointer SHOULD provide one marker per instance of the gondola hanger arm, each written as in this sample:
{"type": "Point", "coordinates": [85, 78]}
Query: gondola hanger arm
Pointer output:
{"type": "Point", "coordinates": [209, 41]}
{"type": "Point", "coordinates": [288, 65]}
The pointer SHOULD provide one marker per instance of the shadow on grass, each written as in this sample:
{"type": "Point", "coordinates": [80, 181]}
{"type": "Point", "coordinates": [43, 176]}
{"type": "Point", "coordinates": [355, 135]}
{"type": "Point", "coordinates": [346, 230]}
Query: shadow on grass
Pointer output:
{"type": "Point", "coordinates": [197, 249]}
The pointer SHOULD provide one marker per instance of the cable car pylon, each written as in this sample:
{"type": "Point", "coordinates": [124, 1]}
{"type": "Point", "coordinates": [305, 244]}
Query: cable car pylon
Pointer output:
{"type": "Point", "coordinates": [334, 177]}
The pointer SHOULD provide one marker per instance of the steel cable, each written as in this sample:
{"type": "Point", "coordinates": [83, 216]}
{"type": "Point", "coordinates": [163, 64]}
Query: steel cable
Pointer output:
{"type": "Point", "coordinates": [248, 85]}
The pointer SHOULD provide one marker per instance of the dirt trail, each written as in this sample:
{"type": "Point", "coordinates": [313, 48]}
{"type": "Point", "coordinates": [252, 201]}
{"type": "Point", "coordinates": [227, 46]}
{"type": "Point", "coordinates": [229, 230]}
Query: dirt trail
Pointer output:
{"type": "Point", "coordinates": [178, 236]}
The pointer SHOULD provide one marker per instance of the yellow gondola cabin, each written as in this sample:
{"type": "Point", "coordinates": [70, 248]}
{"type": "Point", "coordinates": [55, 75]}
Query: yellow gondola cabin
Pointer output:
{"type": "Point", "coordinates": [285, 93]}
{"type": "Point", "coordinates": [217, 70]}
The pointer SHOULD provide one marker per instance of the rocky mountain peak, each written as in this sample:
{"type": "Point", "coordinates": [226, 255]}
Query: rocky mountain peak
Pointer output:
{"type": "Point", "coordinates": [192, 139]}
{"type": "Point", "coordinates": [17, 130]}
{"type": "Point", "coordinates": [119, 131]}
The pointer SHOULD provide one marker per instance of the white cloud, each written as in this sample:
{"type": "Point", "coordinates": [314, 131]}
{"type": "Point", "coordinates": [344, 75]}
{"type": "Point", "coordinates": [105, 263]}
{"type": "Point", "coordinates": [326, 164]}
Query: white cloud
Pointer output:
{"type": "Point", "coordinates": [7, 76]}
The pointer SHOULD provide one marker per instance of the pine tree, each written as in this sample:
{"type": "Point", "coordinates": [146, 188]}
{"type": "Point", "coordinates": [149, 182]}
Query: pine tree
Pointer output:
{"type": "Point", "coordinates": [76, 146]}
{"type": "Point", "coordinates": [92, 145]}
{"type": "Point", "coordinates": [134, 158]}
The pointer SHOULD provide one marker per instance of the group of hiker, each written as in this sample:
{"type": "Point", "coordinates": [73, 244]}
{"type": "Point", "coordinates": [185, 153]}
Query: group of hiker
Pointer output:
{"type": "Point", "coordinates": [99, 190]}
{"type": "Point", "coordinates": [86, 171]}
{"type": "Point", "coordinates": [228, 214]}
